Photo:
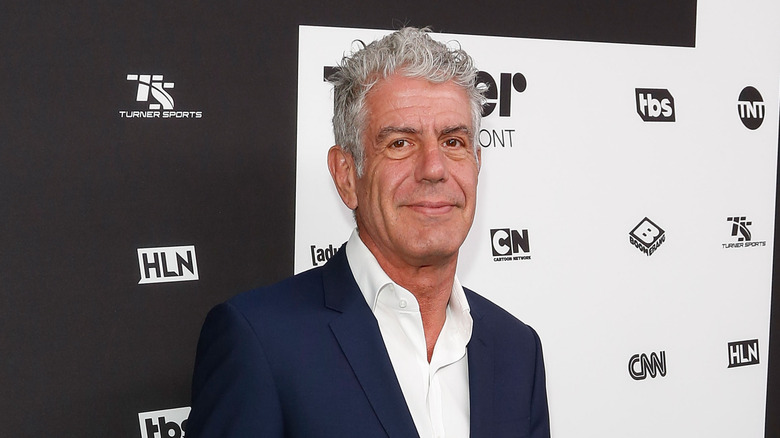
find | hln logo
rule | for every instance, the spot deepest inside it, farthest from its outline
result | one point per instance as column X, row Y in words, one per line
column 640, row 365
column 505, row 242
column 171, row 423
column 647, row 236
column 164, row 265
column 655, row 105
column 743, row 353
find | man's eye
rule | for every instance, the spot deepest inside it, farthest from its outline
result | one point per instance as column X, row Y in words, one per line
column 453, row 142
column 399, row 144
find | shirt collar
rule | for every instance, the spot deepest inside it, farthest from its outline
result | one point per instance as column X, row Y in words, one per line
column 371, row 279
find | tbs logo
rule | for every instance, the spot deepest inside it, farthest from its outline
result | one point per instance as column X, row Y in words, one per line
column 655, row 105
column 164, row 265
column 640, row 365
column 169, row 423
column 506, row 243
column 647, row 236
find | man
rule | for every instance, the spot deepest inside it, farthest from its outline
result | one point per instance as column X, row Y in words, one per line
column 382, row 340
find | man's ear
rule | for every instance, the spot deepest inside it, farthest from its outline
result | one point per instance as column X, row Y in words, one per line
column 479, row 159
column 342, row 169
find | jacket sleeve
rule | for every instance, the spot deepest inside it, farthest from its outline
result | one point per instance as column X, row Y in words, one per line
column 233, row 392
column 540, row 417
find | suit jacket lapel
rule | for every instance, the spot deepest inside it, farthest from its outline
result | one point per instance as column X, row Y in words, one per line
column 481, row 376
column 358, row 335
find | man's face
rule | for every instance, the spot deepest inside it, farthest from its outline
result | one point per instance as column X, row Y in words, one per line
column 417, row 194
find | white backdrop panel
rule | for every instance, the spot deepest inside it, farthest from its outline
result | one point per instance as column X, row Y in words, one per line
column 581, row 171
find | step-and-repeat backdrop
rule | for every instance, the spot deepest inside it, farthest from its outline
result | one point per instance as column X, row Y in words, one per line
column 626, row 211
column 157, row 158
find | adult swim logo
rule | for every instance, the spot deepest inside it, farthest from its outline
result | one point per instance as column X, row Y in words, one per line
column 740, row 230
column 509, row 245
column 743, row 353
column 642, row 365
column 322, row 255
column 165, row 265
column 170, row 423
column 152, row 89
column 655, row 105
column 751, row 108
column 647, row 236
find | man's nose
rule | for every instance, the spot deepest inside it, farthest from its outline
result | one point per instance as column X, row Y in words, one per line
column 432, row 163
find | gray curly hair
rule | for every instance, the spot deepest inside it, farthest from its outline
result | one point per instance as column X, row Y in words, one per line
column 410, row 52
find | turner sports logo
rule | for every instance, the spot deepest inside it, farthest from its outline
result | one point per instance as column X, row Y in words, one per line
column 647, row 236
column 509, row 245
column 751, row 108
column 655, row 105
column 171, row 423
column 152, row 89
column 165, row 265
column 497, row 94
column 740, row 230
column 642, row 365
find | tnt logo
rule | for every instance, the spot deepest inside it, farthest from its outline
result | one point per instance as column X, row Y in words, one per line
column 507, row 242
column 169, row 423
column 153, row 83
column 739, row 226
column 751, row 108
column 640, row 365
column 647, row 236
column 500, row 95
column 163, row 265
column 743, row 353
column 655, row 105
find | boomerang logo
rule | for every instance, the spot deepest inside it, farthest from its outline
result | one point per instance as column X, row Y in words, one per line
column 155, row 84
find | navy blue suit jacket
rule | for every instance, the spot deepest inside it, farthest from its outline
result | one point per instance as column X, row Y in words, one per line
column 305, row 358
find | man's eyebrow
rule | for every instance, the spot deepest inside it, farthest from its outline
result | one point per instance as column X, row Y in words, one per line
column 390, row 130
column 453, row 129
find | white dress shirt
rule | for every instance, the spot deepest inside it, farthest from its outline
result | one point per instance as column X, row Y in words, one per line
column 437, row 393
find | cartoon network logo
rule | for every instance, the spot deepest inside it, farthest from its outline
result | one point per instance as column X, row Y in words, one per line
column 642, row 365
column 165, row 265
column 508, row 244
column 153, row 89
column 170, row 423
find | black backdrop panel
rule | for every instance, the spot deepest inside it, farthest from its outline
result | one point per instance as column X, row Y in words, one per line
column 85, row 347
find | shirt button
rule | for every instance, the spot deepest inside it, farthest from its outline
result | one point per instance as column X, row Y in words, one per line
column 402, row 304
